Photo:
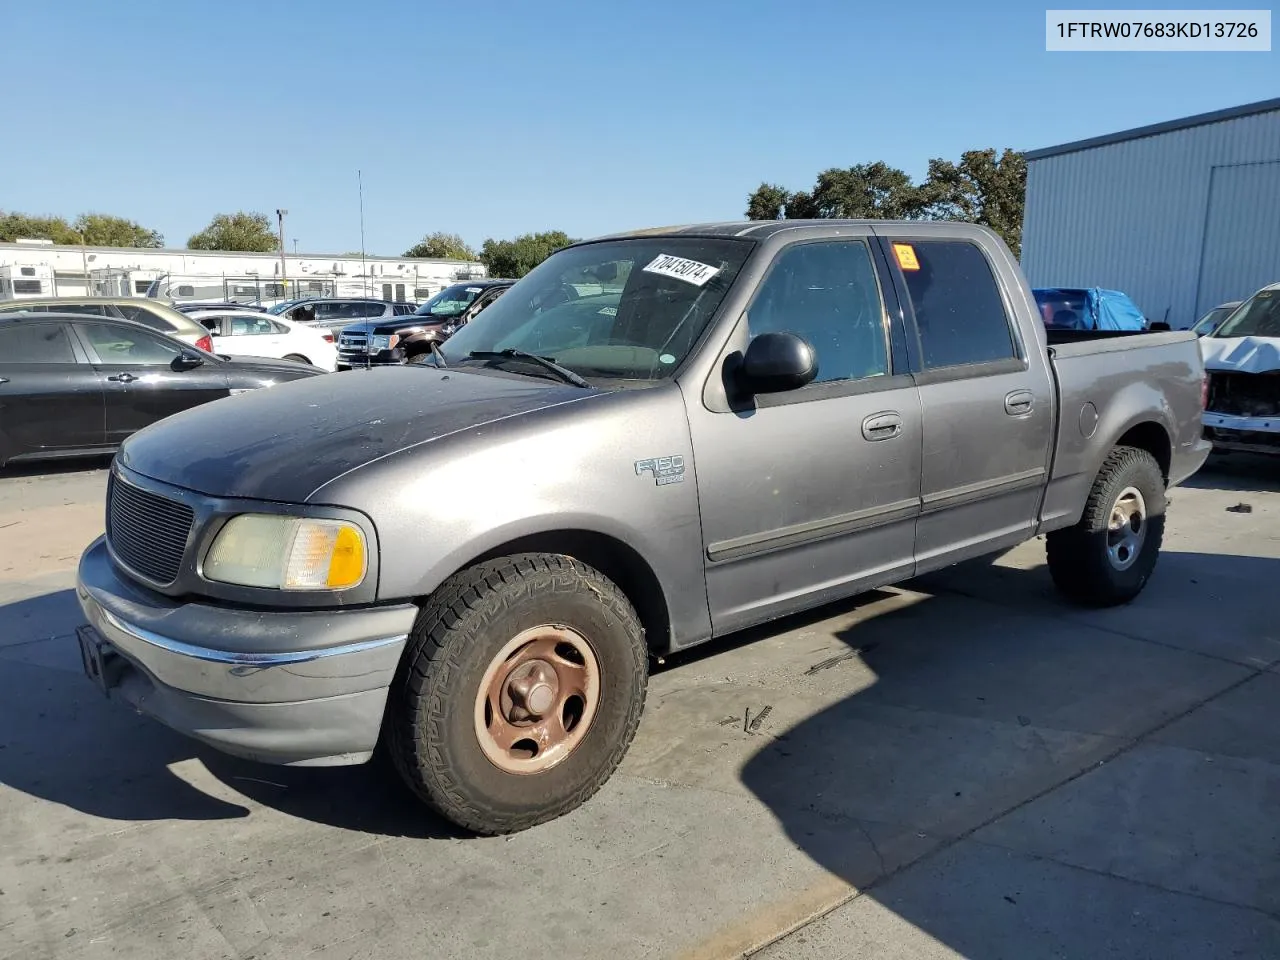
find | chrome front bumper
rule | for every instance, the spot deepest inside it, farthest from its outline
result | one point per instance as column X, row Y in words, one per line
column 294, row 687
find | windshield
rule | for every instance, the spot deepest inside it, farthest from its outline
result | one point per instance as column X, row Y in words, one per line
column 280, row 308
column 625, row 309
column 1259, row 316
column 450, row 302
column 1206, row 324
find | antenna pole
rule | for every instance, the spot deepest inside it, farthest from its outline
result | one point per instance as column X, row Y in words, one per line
column 363, row 266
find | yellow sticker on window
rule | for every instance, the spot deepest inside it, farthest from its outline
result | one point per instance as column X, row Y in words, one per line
column 906, row 256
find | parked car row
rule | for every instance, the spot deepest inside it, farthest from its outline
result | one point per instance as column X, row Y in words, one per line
column 77, row 384
column 392, row 340
column 149, row 313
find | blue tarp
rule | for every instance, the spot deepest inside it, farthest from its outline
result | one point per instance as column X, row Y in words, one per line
column 1074, row 308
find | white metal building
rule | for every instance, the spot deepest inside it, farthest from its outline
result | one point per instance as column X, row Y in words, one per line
column 211, row 275
column 1180, row 215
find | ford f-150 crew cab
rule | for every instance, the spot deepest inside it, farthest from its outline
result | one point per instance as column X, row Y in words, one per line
column 752, row 419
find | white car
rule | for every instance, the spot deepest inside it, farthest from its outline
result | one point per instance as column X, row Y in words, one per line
column 241, row 333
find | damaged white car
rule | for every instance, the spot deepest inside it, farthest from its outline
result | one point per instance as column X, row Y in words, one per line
column 1242, row 359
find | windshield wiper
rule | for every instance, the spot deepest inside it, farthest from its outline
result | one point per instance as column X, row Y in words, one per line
column 564, row 373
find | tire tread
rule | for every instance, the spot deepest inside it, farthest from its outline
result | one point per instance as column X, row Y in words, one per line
column 1077, row 570
column 435, row 646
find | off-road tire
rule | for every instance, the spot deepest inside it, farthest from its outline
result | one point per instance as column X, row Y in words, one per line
column 296, row 358
column 1078, row 560
column 430, row 726
column 424, row 357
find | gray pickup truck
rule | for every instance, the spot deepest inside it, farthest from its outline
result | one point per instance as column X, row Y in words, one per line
column 467, row 565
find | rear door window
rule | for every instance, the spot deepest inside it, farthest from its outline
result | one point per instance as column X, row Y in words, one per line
column 94, row 309
column 958, row 308
column 144, row 316
column 35, row 343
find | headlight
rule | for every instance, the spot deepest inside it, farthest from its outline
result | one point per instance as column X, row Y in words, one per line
column 287, row 553
column 380, row 342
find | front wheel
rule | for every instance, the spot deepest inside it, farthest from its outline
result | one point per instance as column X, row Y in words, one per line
column 519, row 694
column 1108, row 556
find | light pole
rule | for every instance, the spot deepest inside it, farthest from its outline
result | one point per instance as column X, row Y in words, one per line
column 283, row 275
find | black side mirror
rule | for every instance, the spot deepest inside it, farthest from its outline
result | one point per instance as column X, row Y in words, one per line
column 775, row 362
column 1159, row 326
column 186, row 361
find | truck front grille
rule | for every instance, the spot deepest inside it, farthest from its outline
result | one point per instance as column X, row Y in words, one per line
column 1244, row 394
column 353, row 342
column 146, row 531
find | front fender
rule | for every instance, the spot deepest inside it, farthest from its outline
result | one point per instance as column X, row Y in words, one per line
column 439, row 506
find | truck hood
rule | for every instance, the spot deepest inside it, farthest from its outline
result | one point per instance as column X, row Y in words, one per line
column 1241, row 354
column 285, row 442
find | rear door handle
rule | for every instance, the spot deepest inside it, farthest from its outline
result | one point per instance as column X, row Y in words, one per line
column 123, row 378
column 1019, row 402
column 882, row 426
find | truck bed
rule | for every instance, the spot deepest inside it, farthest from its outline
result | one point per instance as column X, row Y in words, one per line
column 1099, row 394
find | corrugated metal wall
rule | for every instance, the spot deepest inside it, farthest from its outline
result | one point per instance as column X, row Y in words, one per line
column 1135, row 216
column 1241, row 232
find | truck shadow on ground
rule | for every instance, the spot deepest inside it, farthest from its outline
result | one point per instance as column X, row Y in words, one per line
column 989, row 694
column 989, row 683
column 62, row 741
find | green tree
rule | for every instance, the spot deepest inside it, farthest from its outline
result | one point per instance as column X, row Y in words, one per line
column 873, row 191
column 240, row 232
column 767, row 203
column 982, row 188
column 20, row 226
column 515, row 258
column 103, row 230
column 441, row 246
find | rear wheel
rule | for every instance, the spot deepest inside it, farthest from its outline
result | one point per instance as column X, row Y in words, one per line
column 520, row 692
column 1108, row 556
column 296, row 357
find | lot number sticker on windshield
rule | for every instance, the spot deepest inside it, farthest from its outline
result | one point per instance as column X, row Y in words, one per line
column 690, row 271
column 906, row 255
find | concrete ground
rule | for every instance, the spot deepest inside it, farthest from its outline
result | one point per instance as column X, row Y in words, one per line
column 964, row 768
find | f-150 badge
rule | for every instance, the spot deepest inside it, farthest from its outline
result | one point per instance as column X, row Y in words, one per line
column 664, row 469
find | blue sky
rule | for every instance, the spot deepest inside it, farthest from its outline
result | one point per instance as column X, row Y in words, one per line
column 504, row 117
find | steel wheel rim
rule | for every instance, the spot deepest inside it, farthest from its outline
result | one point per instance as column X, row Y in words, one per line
column 1127, row 528
column 537, row 699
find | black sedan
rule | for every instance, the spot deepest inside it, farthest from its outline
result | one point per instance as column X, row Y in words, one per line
column 75, row 385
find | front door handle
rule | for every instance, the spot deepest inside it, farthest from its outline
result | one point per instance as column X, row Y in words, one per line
column 882, row 426
column 4, row 379
column 1019, row 402
column 123, row 378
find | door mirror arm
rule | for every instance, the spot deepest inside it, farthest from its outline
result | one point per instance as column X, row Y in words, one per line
column 186, row 361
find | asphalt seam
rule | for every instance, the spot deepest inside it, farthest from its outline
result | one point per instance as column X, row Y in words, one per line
column 1148, row 884
column 27, row 643
column 950, row 842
